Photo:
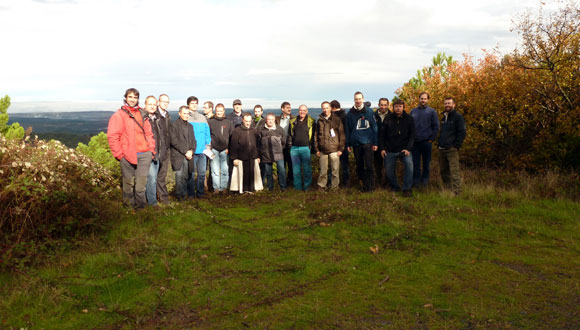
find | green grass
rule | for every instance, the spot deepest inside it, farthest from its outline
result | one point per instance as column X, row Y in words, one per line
column 487, row 259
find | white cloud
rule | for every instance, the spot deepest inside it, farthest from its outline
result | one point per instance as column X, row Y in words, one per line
column 259, row 49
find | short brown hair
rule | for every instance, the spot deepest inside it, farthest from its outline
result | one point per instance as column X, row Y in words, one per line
column 397, row 102
column 131, row 91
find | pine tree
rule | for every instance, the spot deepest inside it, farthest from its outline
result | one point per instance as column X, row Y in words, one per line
column 14, row 131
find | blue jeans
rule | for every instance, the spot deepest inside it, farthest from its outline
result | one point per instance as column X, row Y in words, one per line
column 219, row 170
column 301, row 163
column 151, row 187
column 421, row 150
column 195, row 185
column 181, row 176
column 268, row 178
column 391, row 166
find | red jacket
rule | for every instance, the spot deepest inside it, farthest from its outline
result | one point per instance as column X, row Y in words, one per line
column 122, row 132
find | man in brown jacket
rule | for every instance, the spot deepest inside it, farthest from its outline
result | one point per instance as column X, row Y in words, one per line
column 329, row 142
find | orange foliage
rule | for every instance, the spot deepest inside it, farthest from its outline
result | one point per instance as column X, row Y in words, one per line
column 522, row 110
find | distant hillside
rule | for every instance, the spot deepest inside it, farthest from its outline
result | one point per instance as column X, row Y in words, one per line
column 73, row 127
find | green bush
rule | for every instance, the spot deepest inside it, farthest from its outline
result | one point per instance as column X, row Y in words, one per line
column 99, row 151
column 49, row 194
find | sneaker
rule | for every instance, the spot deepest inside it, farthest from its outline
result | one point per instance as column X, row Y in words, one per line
column 407, row 193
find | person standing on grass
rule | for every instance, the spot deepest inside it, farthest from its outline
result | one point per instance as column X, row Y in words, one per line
column 221, row 130
column 362, row 138
column 300, row 140
column 154, row 120
column 208, row 113
column 426, row 129
column 329, row 142
column 244, row 154
column 344, row 165
column 271, row 142
column 132, row 143
column 453, row 133
column 164, row 148
column 380, row 115
column 183, row 146
column 196, row 182
column 284, row 121
column 396, row 141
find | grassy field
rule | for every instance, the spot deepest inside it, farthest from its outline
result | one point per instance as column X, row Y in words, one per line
column 486, row 259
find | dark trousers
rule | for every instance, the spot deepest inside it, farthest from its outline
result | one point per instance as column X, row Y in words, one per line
column 181, row 177
column 288, row 163
column 379, row 163
column 162, row 193
column 364, row 165
column 248, row 181
column 344, row 168
column 421, row 151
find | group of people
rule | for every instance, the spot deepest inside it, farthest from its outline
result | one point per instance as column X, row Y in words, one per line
column 242, row 149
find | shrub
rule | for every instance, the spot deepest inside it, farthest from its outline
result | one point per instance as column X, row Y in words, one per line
column 49, row 194
column 98, row 150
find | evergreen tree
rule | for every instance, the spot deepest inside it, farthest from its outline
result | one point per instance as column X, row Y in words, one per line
column 99, row 151
column 14, row 131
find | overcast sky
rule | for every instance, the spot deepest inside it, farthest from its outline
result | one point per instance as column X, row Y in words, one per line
column 83, row 54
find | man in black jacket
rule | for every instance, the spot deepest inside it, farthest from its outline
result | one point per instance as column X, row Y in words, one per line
column 244, row 151
column 397, row 137
column 450, row 140
column 164, row 148
column 284, row 121
column 380, row 116
column 182, row 147
column 221, row 130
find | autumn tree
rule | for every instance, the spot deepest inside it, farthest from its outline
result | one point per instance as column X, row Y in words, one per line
column 521, row 109
column 550, row 53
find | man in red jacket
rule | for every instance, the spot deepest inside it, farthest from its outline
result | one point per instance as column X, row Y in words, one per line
column 132, row 143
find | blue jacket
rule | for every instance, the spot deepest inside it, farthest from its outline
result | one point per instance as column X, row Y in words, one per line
column 201, row 131
column 361, row 128
column 426, row 123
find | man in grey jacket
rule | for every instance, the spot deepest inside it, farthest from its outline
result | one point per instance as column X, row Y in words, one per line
column 271, row 143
